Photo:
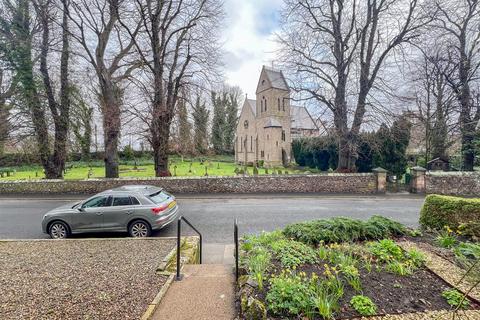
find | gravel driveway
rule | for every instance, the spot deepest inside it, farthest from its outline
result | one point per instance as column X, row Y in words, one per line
column 80, row 279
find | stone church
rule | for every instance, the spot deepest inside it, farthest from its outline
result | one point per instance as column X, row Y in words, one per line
column 268, row 124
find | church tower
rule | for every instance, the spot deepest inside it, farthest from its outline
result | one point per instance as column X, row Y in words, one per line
column 273, row 117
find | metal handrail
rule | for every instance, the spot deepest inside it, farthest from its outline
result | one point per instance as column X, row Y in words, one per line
column 179, row 232
column 235, row 239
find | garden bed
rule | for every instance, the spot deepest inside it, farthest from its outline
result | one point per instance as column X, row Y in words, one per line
column 342, row 269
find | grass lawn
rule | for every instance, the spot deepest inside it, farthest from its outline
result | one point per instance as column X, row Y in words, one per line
column 214, row 166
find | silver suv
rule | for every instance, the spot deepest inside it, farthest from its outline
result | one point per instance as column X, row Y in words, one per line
column 134, row 209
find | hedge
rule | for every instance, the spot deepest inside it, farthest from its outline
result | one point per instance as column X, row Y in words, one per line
column 462, row 214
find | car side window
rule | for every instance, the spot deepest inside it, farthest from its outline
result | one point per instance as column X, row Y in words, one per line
column 121, row 201
column 96, row 202
column 134, row 201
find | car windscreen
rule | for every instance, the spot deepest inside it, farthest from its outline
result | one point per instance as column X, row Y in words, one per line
column 160, row 196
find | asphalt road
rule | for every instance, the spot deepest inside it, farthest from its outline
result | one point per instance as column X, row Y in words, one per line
column 213, row 215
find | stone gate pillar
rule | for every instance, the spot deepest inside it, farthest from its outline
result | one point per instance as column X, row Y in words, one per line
column 381, row 181
column 418, row 182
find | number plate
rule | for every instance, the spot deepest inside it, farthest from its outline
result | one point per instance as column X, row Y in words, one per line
column 172, row 204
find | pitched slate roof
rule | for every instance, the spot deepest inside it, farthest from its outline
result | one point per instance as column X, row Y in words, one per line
column 253, row 106
column 272, row 123
column 301, row 119
column 276, row 78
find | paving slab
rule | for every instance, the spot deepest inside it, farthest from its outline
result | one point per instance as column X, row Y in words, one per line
column 205, row 292
column 218, row 253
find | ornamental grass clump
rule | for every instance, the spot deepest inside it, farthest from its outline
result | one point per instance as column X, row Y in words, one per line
column 352, row 276
column 258, row 262
column 325, row 295
column 446, row 238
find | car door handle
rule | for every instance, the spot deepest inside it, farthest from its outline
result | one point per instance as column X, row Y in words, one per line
column 98, row 213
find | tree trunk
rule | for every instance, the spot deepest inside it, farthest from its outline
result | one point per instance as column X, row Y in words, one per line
column 111, row 100
column 111, row 134
column 62, row 120
column 347, row 152
column 160, row 136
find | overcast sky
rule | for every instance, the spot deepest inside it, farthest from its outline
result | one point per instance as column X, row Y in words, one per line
column 249, row 32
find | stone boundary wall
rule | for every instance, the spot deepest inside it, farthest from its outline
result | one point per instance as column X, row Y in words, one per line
column 355, row 183
column 453, row 183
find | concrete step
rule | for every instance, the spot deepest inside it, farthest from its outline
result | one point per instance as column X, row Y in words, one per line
column 206, row 291
column 218, row 253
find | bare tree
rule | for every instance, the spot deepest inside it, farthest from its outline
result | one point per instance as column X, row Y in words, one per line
column 109, row 50
column 59, row 106
column 17, row 46
column 435, row 103
column 179, row 43
column 337, row 49
column 459, row 22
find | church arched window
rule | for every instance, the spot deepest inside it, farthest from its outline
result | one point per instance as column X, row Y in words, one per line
column 283, row 105
column 278, row 100
column 265, row 103
column 261, row 105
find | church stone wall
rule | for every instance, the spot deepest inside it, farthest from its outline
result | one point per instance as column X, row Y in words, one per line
column 243, row 133
column 353, row 183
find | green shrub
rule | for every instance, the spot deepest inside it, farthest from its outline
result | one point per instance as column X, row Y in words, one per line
column 446, row 238
column 386, row 250
column 378, row 227
column 397, row 261
column 458, row 213
column 265, row 239
column 289, row 294
column 363, row 305
column 455, row 298
column 341, row 229
column 293, row 253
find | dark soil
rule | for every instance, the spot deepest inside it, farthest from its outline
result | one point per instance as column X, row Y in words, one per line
column 393, row 294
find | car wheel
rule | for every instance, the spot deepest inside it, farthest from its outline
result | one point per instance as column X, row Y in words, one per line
column 139, row 229
column 58, row 230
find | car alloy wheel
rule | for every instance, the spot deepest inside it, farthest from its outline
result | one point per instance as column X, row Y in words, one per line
column 58, row 231
column 139, row 230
